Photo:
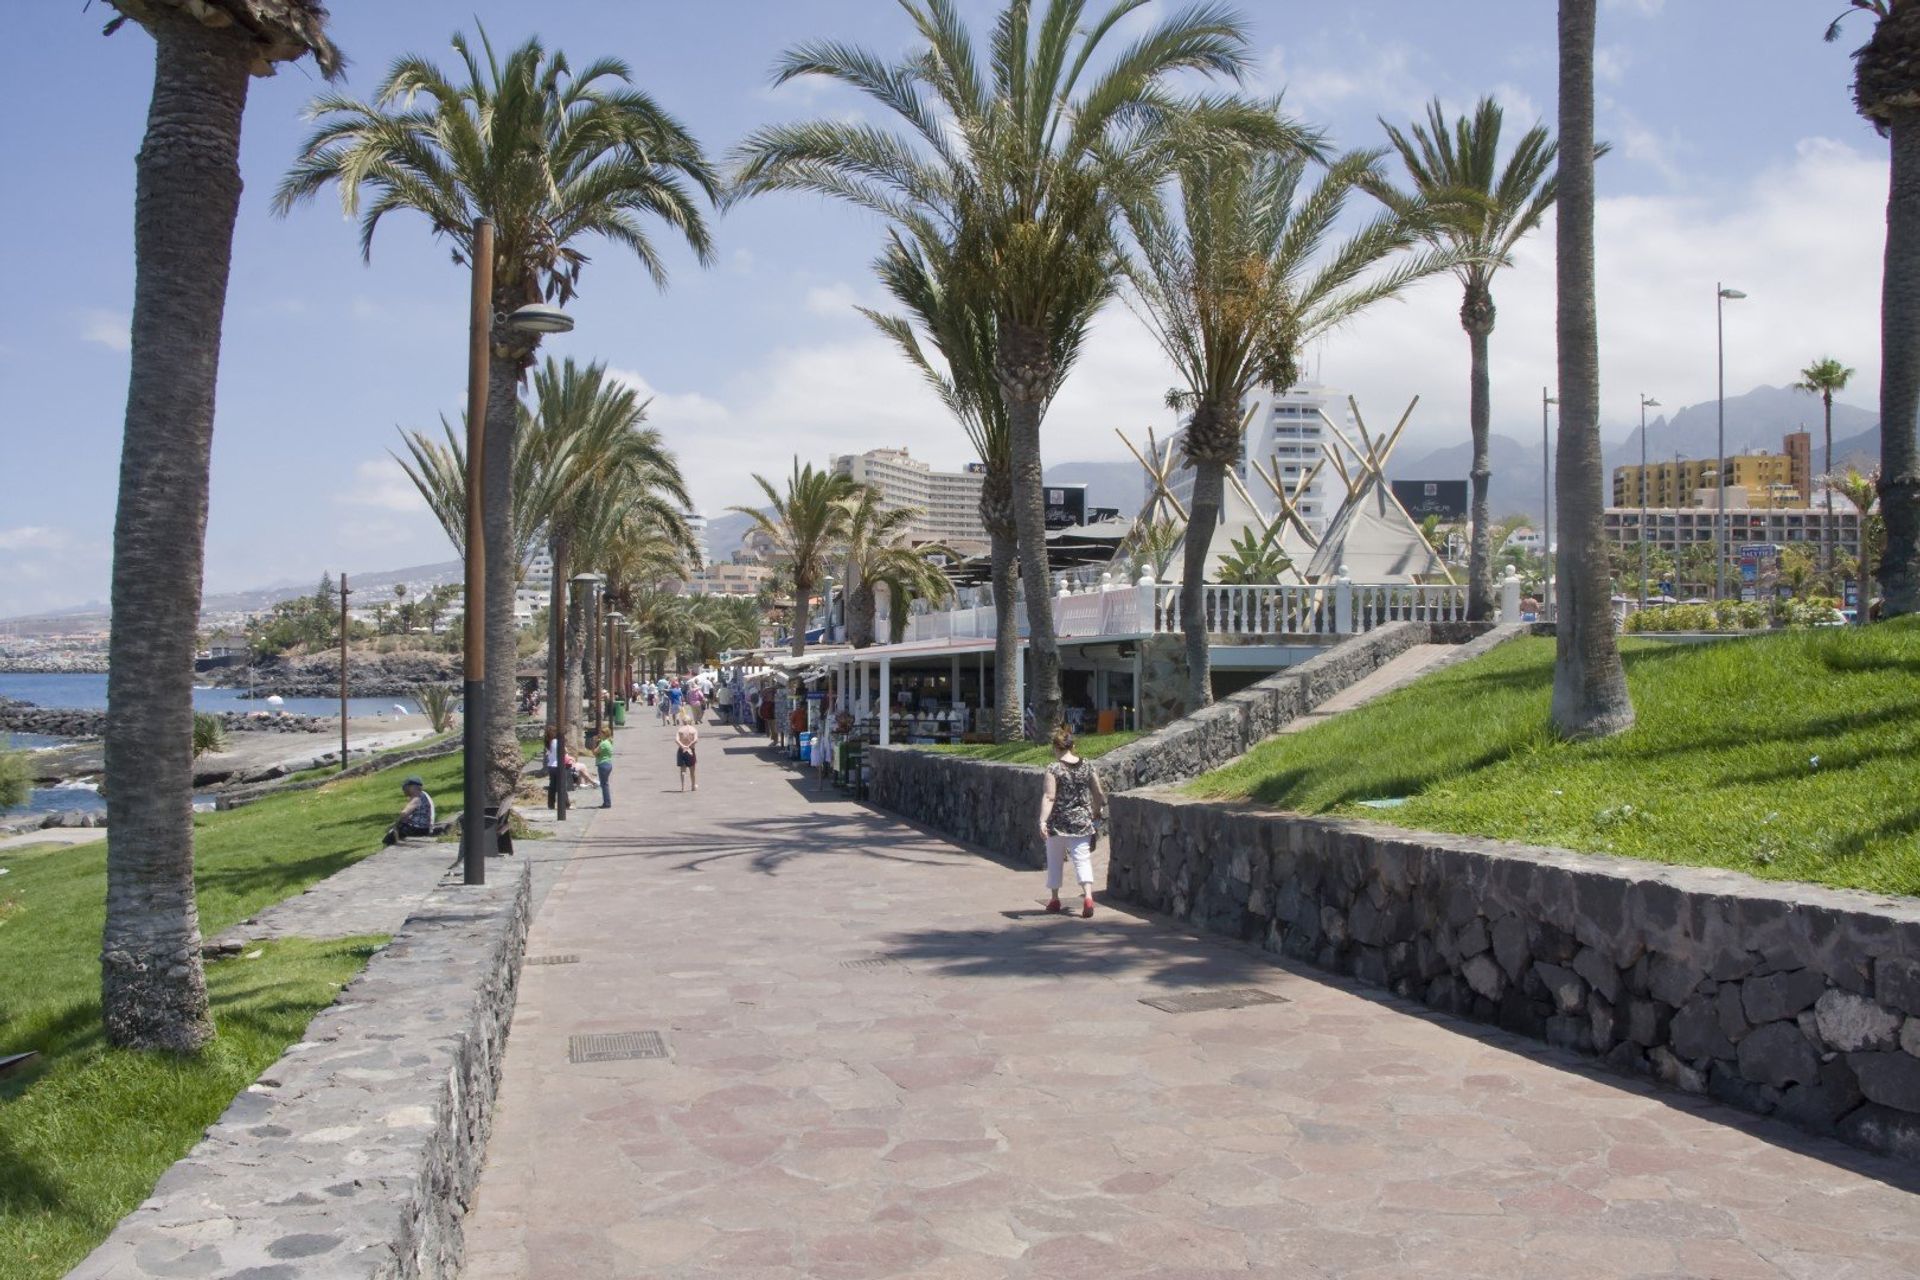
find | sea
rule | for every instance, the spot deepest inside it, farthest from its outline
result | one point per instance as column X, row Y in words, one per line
column 88, row 692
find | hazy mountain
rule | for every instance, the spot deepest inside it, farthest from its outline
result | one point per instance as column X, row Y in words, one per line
column 723, row 535
column 1111, row 483
column 1514, row 487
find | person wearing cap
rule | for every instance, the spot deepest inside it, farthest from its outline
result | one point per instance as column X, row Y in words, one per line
column 416, row 818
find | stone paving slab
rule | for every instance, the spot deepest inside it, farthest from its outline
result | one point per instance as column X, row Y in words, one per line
column 373, row 896
column 886, row 1060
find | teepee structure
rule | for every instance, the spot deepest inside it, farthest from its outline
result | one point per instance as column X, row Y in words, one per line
column 1158, row 463
column 1372, row 537
column 1296, row 537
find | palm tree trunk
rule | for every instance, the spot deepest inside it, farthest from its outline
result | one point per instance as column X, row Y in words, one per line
column 153, row 992
column 801, row 615
column 1826, row 533
column 560, row 551
column 1476, row 316
column 1590, row 697
column 576, row 656
column 1026, row 374
column 1203, row 519
column 1900, row 373
column 996, row 513
column 503, row 573
column 862, row 609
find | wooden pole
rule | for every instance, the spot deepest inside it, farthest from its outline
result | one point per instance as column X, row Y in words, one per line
column 474, row 736
column 343, row 671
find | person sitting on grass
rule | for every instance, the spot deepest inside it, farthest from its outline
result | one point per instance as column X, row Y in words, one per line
column 416, row 817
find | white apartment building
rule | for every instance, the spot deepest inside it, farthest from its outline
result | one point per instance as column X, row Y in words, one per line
column 1286, row 433
column 697, row 526
column 948, row 501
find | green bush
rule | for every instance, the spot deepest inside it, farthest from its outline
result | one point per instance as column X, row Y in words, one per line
column 16, row 781
column 209, row 734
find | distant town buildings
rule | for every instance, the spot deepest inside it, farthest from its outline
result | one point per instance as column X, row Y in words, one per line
column 697, row 526
column 948, row 502
column 729, row 579
column 1673, row 528
column 1763, row 480
column 1286, row 434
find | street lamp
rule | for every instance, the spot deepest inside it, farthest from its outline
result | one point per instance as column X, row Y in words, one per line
column 1646, row 402
column 558, row 703
column 604, row 703
column 1546, row 507
column 1721, row 296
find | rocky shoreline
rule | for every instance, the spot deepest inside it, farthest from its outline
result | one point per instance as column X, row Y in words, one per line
column 57, row 665
column 65, row 722
column 382, row 675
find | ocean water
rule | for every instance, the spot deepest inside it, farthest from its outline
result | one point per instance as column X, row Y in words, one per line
column 89, row 693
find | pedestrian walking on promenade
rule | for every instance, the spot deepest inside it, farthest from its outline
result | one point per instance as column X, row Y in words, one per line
column 1070, row 808
column 603, row 756
column 686, row 740
column 697, row 699
column 552, row 762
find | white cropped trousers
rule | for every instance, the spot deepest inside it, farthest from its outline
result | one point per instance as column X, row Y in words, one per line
column 1059, row 849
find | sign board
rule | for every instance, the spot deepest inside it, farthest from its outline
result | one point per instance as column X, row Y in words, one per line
column 1066, row 505
column 1422, row 498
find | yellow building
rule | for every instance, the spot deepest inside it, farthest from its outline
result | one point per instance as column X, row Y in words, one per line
column 1767, row 480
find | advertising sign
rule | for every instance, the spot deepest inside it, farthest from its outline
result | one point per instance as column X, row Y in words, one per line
column 1422, row 498
column 1066, row 505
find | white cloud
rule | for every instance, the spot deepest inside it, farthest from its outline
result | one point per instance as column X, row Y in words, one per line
column 669, row 411
column 32, row 537
column 1610, row 62
column 835, row 301
column 382, row 484
column 1645, row 8
column 48, row 568
column 109, row 328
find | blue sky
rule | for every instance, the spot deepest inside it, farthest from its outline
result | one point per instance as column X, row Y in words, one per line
column 1737, row 157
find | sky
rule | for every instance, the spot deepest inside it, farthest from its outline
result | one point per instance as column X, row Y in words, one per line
column 1737, row 158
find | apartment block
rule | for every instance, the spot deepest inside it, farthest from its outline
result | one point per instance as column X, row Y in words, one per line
column 948, row 502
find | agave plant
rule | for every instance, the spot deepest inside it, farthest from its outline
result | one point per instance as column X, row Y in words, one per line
column 436, row 703
column 1254, row 561
column 209, row 734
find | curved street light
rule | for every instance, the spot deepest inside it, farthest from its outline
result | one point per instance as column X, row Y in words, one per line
column 1722, row 296
column 1646, row 402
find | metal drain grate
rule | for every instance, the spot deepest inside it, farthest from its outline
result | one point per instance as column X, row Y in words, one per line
column 876, row 962
column 553, row 960
column 1219, row 998
column 616, row 1046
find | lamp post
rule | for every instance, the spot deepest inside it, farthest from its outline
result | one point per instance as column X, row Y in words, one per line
column 1546, row 506
column 344, row 593
column 1646, row 402
column 605, row 704
column 1721, row 295
column 563, row 794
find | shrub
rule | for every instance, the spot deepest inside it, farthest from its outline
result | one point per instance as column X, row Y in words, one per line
column 436, row 703
column 209, row 734
column 16, row 781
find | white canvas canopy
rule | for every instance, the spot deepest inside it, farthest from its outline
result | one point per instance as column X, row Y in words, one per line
column 1372, row 537
column 1240, row 516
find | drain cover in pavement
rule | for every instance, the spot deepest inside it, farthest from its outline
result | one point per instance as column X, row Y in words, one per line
column 1219, row 998
column 616, row 1046
column 876, row 962
column 553, row 959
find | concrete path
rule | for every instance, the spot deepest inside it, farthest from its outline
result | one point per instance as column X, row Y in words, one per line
column 53, row 835
column 884, row 1060
column 1397, row 672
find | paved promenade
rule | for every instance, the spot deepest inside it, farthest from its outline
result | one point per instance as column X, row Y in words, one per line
column 884, row 1060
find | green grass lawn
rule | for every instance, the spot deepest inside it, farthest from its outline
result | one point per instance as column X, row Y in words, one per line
column 1090, row 747
column 1790, row 756
column 322, row 770
column 85, row 1133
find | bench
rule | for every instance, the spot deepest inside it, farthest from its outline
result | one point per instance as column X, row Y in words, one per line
column 11, row 1062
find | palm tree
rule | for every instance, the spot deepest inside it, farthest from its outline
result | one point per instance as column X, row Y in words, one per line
column 1022, row 171
column 553, row 159
column 805, row 523
column 1487, row 209
column 1826, row 378
column 438, row 469
column 1864, row 492
column 1590, row 698
column 1886, row 90
column 966, row 334
column 873, row 541
column 1235, row 288
column 153, row 992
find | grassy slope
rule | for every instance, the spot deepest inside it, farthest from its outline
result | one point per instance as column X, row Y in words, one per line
column 1790, row 756
column 1090, row 747
column 83, row 1137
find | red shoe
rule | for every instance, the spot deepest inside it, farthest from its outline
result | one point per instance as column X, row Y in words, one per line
column 1054, row 906
column 1086, row 909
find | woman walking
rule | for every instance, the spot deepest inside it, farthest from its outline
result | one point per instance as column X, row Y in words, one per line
column 603, row 756
column 685, row 741
column 552, row 761
column 1072, row 804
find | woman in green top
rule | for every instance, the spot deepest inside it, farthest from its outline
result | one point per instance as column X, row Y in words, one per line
column 604, row 755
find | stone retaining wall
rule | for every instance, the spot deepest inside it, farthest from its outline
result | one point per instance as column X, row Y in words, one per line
column 1782, row 999
column 995, row 805
column 356, row 1153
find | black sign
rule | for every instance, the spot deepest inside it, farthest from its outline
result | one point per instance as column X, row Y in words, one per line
column 1066, row 505
column 1422, row 498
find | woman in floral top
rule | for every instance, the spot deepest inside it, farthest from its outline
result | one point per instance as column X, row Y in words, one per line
column 1073, row 801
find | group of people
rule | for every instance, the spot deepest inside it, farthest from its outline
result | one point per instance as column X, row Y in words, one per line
column 564, row 769
column 697, row 694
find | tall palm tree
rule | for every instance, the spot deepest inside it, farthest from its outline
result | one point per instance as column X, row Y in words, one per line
column 1590, row 698
column 1826, row 378
column 805, row 523
column 1886, row 90
column 153, row 993
column 1234, row 288
column 1022, row 169
column 876, row 553
column 553, row 159
column 603, row 467
column 1486, row 209
column 965, row 332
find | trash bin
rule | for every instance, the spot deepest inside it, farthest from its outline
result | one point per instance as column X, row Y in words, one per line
column 620, row 713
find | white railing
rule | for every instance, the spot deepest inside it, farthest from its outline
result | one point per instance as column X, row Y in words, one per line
column 1340, row 607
